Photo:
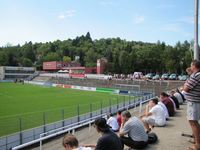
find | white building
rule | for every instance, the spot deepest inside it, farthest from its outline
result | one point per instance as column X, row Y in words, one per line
column 9, row 72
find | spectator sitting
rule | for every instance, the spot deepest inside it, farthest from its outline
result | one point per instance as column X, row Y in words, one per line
column 109, row 140
column 133, row 127
column 174, row 98
column 154, row 115
column 112, row 122
column 172, row 102
column 182, row 99
column 168, row 103
column 71, row 143
column 183, row 93
column 119, row 118
column 165, row 109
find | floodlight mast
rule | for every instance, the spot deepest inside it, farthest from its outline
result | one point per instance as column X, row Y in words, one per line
column 196, row 47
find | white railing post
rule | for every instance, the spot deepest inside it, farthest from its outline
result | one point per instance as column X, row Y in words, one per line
column 90, row 126
column 134, row 105
column 40, row 141
column 140, row 108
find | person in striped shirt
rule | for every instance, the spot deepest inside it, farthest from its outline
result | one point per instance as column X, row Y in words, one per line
column 134, row 128
column 192, row 93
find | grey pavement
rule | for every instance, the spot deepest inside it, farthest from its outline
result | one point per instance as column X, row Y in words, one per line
column 169, row 137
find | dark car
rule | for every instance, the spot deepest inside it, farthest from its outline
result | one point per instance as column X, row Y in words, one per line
column 149, row 75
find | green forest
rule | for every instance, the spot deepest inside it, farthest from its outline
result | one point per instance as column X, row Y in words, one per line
column 123, row 56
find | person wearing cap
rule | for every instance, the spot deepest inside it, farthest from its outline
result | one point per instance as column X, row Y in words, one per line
column 109, row 140
column 134, row 128
column 70, row 142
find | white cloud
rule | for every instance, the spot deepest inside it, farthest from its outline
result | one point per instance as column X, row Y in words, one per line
column 61, row 16
column 138, row 19
column 68, row 13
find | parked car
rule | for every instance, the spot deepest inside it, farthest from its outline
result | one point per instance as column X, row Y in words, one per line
column 165, row 76
column 137, row 75
column 183, row 77
column 149, row 75
column 173, row 76
column 156, row 77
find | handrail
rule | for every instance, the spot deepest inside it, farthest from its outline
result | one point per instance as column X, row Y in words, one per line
column 79, row 124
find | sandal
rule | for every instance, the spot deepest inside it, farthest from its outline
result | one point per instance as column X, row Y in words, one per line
column 191, row 141
column 148, row 131
column 194, row 147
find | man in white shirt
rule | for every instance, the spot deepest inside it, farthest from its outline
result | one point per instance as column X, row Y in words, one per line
column 154, row 115
column 112, row 122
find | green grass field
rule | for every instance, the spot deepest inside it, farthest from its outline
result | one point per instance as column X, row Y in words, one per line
column 31, row 104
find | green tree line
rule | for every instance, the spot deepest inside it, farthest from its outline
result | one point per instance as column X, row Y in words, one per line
column 123, row 56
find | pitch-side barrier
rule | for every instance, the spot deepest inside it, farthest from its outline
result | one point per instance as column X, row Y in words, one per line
column 56, row 132
column 72, row 127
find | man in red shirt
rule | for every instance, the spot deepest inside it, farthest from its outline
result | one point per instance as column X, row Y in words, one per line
column 168, row 103
column 119, row 118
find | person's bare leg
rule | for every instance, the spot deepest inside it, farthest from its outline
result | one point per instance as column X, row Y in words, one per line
column 196, row 132
column 146, row 125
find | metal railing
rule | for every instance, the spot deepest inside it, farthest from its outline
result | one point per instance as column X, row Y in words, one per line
column 89, row 121
column 56, row 132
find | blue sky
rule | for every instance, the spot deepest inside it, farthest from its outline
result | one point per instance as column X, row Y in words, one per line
column 134, row 20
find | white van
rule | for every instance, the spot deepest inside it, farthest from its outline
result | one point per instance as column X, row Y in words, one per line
column 137, row 75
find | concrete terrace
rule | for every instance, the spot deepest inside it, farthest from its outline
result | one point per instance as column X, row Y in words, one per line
column 169, row 137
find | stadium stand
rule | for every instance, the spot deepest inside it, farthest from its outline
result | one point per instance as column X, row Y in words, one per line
column 144, row 85
column 12, row 73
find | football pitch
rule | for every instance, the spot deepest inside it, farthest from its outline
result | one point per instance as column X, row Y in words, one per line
column 24, row 106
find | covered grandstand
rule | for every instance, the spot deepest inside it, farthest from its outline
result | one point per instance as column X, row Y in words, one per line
column 11, row 72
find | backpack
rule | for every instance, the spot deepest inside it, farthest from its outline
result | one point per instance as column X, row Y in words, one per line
column 152, row 138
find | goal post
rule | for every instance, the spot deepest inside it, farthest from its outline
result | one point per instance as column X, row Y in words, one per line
column 128, row 87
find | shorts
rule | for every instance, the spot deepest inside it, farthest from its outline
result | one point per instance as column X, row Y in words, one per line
column 149, row 121
column 193, row 111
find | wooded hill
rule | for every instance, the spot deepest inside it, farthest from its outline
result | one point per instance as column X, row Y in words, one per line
column 123, row 56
